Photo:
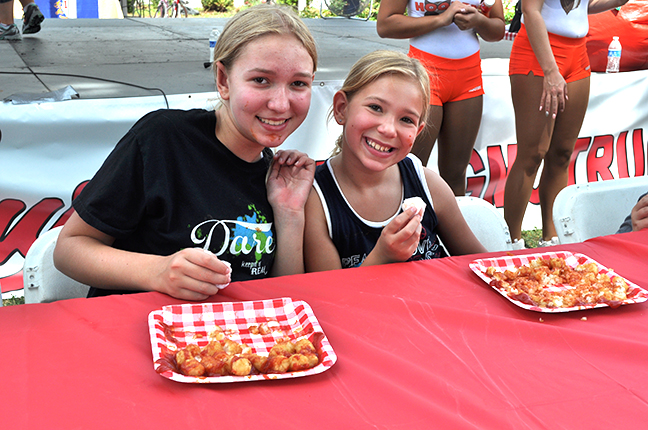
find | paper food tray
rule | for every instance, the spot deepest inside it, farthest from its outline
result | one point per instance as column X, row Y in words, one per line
column 636, row 294
column 175, row 326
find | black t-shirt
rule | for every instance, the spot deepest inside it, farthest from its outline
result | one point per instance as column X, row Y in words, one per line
column 170, row 184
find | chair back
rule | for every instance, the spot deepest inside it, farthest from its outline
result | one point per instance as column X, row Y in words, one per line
column 584, row 211
column 42, row 282
column 486, row 222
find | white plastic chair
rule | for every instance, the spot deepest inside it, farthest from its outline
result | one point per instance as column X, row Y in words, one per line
column 584, row 211
column 42, row 282
column 486, row 222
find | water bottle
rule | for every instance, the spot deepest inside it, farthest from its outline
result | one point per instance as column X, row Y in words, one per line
column 614, row 56
column 485, row 6
column 213, row 38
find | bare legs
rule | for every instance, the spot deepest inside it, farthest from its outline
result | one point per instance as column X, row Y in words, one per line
column 541, row 138
column 7, row 13
column 455, row 125
column 427, row 138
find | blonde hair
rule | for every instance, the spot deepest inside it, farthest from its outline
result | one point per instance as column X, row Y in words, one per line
column 377, row 64
column 258, row 21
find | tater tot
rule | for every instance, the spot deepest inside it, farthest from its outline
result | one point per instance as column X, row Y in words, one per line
column 305, row 346
column 239, row 366
column 283, row 348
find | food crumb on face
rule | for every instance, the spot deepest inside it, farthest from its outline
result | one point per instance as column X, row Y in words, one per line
column 584, row 319
column 541, row 320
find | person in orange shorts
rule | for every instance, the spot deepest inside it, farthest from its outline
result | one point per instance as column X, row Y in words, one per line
column 443, row 36
column 550, row 81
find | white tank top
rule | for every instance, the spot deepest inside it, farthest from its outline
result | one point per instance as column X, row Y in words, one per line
column 574, row 24
column 446, row 42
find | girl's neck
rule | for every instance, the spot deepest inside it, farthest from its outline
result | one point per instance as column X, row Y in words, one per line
column 363, row 188
column 229, row 136
column 354, row 174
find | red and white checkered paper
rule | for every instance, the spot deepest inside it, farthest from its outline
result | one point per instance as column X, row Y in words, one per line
column 512, row 262
column 192, row 323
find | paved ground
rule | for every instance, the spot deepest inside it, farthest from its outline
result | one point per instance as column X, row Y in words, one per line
column 168, row 54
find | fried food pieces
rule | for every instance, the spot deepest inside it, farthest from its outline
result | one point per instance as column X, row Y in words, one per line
column 551, row 283
column 222, row 357
column 287, row 357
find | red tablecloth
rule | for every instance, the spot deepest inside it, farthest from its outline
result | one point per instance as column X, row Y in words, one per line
column 420, row 345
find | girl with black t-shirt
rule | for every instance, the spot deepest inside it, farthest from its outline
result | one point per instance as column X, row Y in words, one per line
column 191, row 200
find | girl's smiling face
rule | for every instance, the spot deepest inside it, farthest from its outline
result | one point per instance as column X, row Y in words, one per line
column 266, row 94
column 381, row 120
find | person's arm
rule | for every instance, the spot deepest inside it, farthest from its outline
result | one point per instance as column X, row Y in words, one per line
column 639, row 214
column 319, row 251
column 554, row 91
column 454, row 231
column 598, row 6
column 86, row 254
column 491, row 28
column 394, row 24
column 289, row 181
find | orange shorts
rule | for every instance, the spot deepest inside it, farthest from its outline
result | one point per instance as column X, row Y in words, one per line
column 451, row 80
column 570, row 54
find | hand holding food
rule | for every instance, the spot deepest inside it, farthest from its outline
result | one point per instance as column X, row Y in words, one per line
column 192, row 274
column 398, row 240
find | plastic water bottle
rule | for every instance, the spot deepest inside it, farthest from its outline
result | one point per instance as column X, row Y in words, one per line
column 614, row 56
column 213, row 38
column 485, row 6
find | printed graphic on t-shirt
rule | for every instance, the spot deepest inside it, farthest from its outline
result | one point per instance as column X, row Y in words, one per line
column 353, row 261
column 427, row 249
column 432, row 7
column 246, row 239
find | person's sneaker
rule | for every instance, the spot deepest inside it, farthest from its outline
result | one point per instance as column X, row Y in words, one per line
column 32, row 19
column 518, row 244
column 554, row 241
column 10, row 33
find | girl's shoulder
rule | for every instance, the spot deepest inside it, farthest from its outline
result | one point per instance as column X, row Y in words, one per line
column 163, row 122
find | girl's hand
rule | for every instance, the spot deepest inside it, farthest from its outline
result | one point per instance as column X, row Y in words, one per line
column 192, row 274
column 467, row 17
column 289, row 180
column 455, row 8
column 399, row 239
column 554, row 94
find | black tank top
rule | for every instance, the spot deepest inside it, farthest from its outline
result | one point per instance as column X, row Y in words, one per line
column 355, row 237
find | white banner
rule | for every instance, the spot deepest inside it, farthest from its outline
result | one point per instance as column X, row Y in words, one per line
column 611, row 142
column 48, row 150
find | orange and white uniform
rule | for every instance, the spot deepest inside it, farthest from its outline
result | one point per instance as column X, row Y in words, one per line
column 451, row 55
column 566, row 31
column 573, row 23
column 446, row 42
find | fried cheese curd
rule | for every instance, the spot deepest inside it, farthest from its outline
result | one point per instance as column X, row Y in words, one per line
column 225, row 357
column 551, row 283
